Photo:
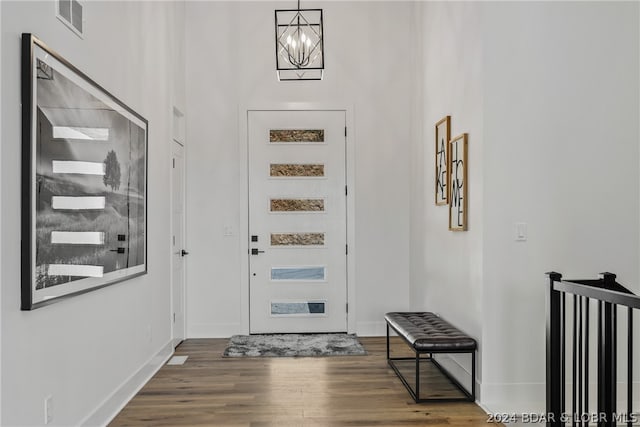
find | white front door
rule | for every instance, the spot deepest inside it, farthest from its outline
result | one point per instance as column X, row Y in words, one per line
column 297, row 221
column 177, row 242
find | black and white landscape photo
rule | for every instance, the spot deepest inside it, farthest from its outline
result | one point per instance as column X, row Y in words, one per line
column 89, row 186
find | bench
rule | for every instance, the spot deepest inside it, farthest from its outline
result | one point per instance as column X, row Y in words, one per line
column 426, row 333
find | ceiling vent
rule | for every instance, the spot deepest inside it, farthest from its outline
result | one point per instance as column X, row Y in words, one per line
column 70, row 13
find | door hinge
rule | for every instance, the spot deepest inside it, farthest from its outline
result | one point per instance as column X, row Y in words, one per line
column 174, row 318
column 346, row 249
column 347, row 307
column 346, row 192
column 174, row 162
column 345, row 131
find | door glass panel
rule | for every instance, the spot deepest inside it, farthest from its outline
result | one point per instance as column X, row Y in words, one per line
column 297, row 205
column 297, row 239
column 297, row 308
column 298, row 273
column 294, row 170
column 296, row 135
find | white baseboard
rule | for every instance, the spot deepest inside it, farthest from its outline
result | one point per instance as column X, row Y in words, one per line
column 113, row 404
column 513, row 397
column 526, row 398
column 513, row 402
column 371, row 329
column 214, row 330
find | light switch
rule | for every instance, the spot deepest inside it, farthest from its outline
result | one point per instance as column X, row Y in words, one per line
column 521, row 231
column 228, row 230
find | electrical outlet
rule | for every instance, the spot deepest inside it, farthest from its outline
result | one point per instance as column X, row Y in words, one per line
column 48, row 409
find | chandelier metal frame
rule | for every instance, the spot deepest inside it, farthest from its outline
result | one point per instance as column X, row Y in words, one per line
column 299, row 44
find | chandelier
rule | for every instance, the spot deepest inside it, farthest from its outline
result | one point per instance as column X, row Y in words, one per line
column 299, row 44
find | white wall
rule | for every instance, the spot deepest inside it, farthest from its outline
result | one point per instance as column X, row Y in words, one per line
column 83, row 349
column 561, row 132
column 552, row 115
column 231, row 62
column 446, row 267
column 549, row 93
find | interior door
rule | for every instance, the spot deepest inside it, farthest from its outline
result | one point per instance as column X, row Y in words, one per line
column 178, row 242
column 297, row 221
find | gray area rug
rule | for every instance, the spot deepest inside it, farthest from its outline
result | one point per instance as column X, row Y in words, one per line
column 294, row 345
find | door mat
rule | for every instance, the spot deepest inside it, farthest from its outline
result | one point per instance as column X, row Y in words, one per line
column 294, row 345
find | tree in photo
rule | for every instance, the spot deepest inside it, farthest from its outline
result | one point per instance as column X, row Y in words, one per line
column 111, row 171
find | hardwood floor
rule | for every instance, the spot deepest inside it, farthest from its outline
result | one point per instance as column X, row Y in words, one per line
column 209, row 390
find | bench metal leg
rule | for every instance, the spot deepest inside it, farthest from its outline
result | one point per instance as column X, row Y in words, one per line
column 417, row 376
column 473, row 376
column 387, row 341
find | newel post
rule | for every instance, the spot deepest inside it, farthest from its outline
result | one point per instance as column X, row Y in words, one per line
column 555, row 352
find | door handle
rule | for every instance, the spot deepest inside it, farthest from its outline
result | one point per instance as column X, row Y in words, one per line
column 255, row 251
column 183, row 252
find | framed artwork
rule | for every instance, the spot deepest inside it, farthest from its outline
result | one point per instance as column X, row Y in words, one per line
column 84, row 182
column 443, row 135
column 458, row 183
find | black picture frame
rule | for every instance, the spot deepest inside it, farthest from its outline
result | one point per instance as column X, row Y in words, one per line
column 84, row 182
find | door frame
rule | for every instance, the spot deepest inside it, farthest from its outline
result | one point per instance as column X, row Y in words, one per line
column 243, row 145
column 178, row 137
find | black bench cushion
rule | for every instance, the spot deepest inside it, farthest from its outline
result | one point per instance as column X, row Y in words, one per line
column 428, row 332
